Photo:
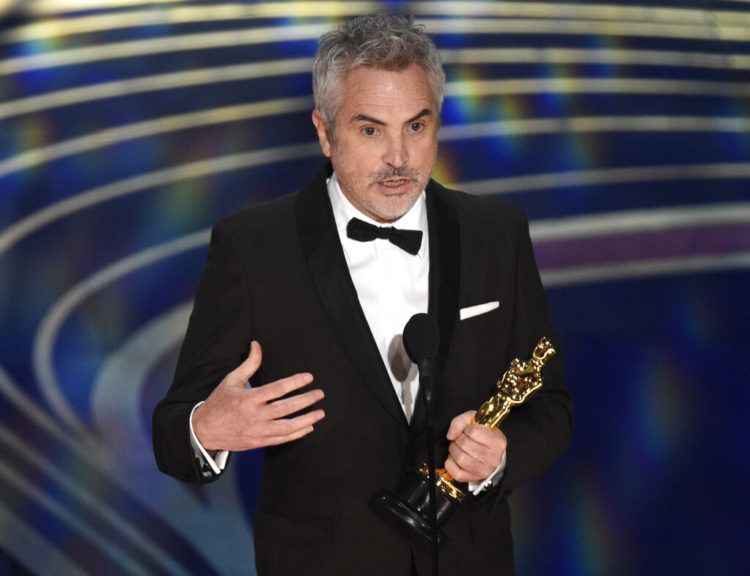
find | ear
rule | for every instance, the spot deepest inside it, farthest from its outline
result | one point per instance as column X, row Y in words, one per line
column 322, row 129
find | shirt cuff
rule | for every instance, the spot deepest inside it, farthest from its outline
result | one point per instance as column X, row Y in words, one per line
column 209, row 466
column 493, row 479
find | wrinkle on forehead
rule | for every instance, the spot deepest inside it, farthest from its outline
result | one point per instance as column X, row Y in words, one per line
column 381, row 95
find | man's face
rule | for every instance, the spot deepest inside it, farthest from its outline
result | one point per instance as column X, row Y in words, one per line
column 385, row 141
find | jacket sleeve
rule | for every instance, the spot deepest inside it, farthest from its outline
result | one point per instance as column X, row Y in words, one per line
column 539, row 430
column 217, row 340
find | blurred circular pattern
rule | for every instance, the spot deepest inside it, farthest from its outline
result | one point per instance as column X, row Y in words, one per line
column 127, row 128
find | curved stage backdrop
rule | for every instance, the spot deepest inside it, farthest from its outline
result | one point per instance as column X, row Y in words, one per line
column 127, row 128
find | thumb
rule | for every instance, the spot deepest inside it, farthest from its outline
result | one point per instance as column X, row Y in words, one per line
column 249, row 366
column 459, row 423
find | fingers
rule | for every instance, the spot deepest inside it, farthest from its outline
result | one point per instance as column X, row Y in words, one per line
column 476, row 453
column 273, row 410
column 468, row 470
column 274, row 390
column 469, row 454
column 286, row 406
column 478, row 434
column 281, row 431
column 268, row 392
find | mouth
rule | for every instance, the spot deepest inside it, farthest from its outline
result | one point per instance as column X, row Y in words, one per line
column 394, row 184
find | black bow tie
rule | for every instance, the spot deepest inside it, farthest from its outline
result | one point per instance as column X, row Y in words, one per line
column 408, row 240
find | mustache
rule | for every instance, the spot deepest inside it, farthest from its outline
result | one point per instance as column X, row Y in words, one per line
column 390, row 172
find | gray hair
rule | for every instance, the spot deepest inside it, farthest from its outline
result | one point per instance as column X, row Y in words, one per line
column 385, row 41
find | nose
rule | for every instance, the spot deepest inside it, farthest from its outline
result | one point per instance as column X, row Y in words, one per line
column 396, row 153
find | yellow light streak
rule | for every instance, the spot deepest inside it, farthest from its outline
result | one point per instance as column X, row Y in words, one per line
column 552, row 180
column 735, row 23
column 246, row 37
column 173, row 80
column 57, row 28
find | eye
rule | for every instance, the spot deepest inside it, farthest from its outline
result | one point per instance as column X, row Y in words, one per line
column 416, row 126
column 369, row 131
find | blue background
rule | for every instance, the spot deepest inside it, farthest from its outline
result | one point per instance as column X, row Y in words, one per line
column 127, row 128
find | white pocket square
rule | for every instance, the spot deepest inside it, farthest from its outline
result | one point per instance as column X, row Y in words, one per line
column 471, row 311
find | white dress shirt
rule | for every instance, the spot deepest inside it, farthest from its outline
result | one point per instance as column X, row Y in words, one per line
column 392, row 285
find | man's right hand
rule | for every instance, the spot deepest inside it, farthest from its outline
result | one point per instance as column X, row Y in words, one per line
column 235, row 417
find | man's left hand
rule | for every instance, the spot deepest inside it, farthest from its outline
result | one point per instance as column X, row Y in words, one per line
column 475, row 451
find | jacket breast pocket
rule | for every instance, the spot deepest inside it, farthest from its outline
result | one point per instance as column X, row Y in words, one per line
column 478, row 309
column 483, row 319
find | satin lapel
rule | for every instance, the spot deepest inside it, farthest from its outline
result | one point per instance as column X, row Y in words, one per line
column 330, row 274
column 445, row 271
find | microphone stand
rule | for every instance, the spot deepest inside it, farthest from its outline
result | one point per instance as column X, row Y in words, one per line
column 424, row 379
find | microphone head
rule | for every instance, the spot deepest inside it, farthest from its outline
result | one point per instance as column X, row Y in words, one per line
column 421, row 337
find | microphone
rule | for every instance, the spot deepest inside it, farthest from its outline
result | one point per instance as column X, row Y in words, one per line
column 421, row 338
column 421, row 342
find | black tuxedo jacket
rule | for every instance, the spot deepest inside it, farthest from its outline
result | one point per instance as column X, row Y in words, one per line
column 276, row 273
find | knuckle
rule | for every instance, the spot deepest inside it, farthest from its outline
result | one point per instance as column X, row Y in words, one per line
column 283, row 428
column 276, row 409
column 460, row 459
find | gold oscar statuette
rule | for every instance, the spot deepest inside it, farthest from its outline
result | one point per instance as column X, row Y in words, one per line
column 411, row 502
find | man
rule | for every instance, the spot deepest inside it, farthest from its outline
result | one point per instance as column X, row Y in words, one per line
column 332, row 397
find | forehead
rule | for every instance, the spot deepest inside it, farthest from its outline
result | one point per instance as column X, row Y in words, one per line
column 392, row 93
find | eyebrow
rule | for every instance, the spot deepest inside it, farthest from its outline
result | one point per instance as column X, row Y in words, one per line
column 365, row 118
